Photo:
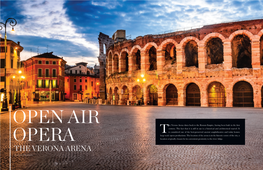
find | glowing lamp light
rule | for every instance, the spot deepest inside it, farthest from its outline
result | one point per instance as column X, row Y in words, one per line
column 19, row 71
column 138, row 80
column 143, row 80
column 14, row 77
column 23, row 77
column 98, row 83
column 142, row 75
column 13, row 29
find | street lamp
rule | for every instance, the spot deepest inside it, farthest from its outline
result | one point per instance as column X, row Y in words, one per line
column 12, row 23
column 20, row 77
column 141, row 81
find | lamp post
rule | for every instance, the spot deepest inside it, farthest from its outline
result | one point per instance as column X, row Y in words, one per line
column 12, row 23
column 141, row 81
column 20, row 78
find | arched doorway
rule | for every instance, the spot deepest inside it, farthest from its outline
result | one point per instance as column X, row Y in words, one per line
column 152, row 95
column 152, row 59
column 116, row 96
column 243, row 95
column 192, row 95
column 171, row 95
column 216, row 95
column 125, row 95
column 136, row 94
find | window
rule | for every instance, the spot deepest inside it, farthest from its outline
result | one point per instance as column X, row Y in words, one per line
column 80, row 80
column 70, row 71
column 86, row 87
column 2, row 63
column 12, row 63
column 54, row 73
column 54, row 62
column 75, row 87
column 75, row 96
column 47, row 83
column 80, row 87
column 88, row 73
column 47, row 62
column 86, row 80
column 39, row 74
column 2, row 49
column 39, row 83
column 39, row 62
column 47, row 72
column 91, row 83
column 54, row 83
column 12, row 50
column 2, row 78
column 79, row 71
column 76, row 71
column 75, row 80
column 79, row 66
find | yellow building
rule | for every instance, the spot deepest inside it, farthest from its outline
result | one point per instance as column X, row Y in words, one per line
column 12, row 67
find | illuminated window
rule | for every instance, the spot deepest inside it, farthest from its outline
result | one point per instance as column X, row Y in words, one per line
column 39, row 83
column 54, row 83
column 47, row 84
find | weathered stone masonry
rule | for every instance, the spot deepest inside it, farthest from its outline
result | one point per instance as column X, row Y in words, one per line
column 216, row 65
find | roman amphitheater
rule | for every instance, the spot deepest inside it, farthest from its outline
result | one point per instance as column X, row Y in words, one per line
column 217, row 65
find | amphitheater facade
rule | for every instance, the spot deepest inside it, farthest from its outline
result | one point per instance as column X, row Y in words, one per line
column 217, row 65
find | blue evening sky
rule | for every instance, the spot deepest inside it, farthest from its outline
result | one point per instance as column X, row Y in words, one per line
column 70, row 28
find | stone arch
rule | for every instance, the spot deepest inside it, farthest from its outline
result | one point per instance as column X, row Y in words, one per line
column 115, row 61
column 187, row 39
column 241, row 51
column 216, row 94
column 149, row 45
column 116, row 96
column 136, row 93
column 109, row 60
column 243, row 94
column 169, row 48
column 193, row 95
column 241, row 32
column 152, row 95
column 124, row 60
column 125, row 95
column 208, row 37
column 214, row 50
column 170, row 94
column 135, row 60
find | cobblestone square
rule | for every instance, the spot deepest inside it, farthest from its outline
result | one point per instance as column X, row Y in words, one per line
column 124, row 138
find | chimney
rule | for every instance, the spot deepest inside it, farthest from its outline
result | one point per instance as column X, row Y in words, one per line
column 18, row 42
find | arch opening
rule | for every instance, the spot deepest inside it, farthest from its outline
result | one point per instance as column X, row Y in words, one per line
column 170, row 53
column 125, row 95
column 152, row 58
column 152, row 95
column 214, row 51
column 191, row 54
column 241, row 52
column 193, row 95
column 125, row 62
column 110, row 64
column 136, row 94
column 243, row 95
column 171, row 95
column 216, row 95
column 115, row 64
column 116, row 96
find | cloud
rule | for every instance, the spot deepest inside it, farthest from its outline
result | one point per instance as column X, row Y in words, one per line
column 49, row 21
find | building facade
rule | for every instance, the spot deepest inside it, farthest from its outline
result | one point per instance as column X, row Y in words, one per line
column 81, row 86
column 217, row 65
column 13, row 65
column 45, row 75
